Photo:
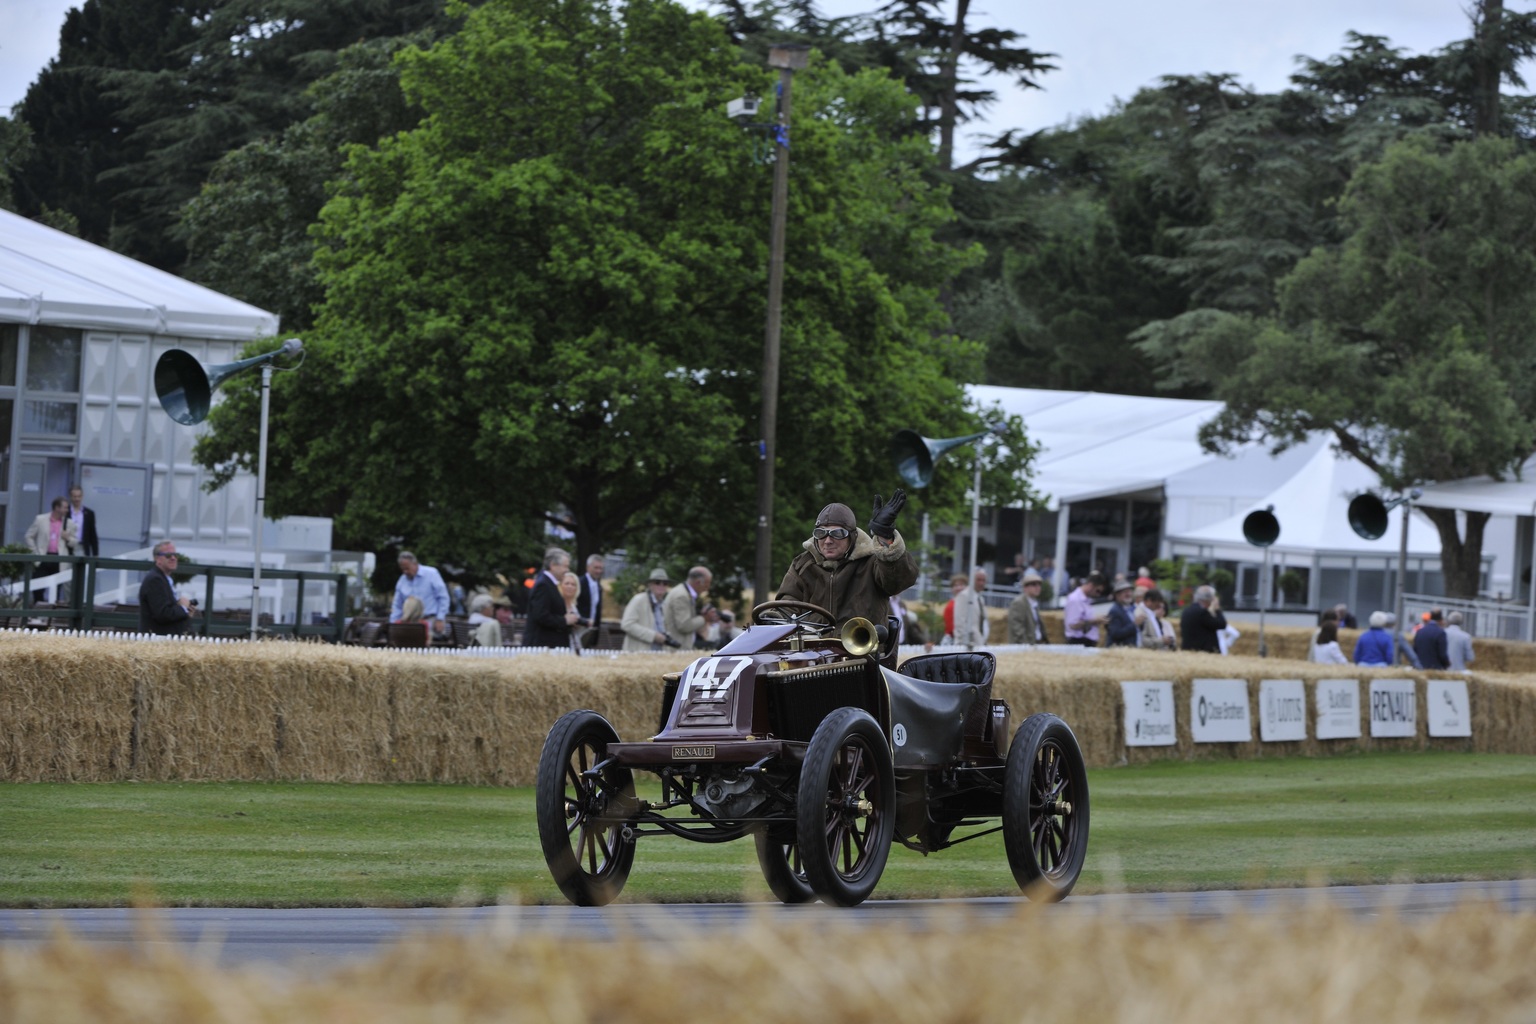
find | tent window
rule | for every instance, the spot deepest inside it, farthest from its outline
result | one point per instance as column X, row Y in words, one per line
column 53, row 360
column 48, row 417
column 8, row 346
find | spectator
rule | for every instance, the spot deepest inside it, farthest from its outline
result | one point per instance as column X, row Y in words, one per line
column 1202, row 621
column 644, row 623
column 971, row 626
column 486, row 628
column 956, row 588
column 1346, row 619
column 1121, row 621
column 85, row 523
column 423, row 582
column 1329, row 615
column 549, row 620
column 848, row 571
column 1402, row 642
column 51, row 533
column 570, row 591
column 1156, row 630
column 1374, row 648
column 1458, row 643
column 1082, row 626
column 160, row 610
column 1013, row 575
column 1325, row 648
column 590, row 600
column 1431, row 645
column 687, row 609
column 1144, row 579
column 1024, row 625
column 908, row 629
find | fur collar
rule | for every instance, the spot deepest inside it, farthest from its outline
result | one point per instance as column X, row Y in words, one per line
column 864, row 546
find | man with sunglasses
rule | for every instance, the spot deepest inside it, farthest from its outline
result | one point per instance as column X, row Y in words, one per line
column 160, row 610
column 848, row 571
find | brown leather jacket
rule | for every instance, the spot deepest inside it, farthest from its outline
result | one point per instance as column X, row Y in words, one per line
column 859, row 583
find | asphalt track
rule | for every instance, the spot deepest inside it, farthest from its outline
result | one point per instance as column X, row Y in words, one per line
column 318, row 939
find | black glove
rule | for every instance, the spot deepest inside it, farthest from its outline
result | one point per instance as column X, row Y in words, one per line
column 883, row 523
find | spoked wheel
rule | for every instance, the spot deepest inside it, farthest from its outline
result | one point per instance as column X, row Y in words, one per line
column 1045, row 808
column 845, row 811
column 782, row 869
column 582, row 815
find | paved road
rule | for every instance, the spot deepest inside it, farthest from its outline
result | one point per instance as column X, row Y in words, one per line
column 321, row 939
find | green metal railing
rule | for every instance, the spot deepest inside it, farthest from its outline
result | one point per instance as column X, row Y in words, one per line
column 80, row 611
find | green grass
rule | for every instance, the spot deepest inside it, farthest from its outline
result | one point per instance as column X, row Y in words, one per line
column 1174, row 825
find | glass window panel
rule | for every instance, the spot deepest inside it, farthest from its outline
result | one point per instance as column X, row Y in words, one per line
column 9, row 343
column 1333, row 587
column 1373, row 590
column 7, row 413
column 44, row 417
column 53, row 360
column 1104, row 517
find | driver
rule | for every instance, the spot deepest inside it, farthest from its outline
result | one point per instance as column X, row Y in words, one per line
column 847, row 571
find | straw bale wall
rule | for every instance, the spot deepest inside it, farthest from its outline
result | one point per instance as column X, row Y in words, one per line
column 91, row 710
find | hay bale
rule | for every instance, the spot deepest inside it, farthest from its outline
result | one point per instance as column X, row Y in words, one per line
column 66, row 709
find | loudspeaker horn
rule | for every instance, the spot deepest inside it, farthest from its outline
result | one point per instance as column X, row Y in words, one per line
column 1368, row 516
column 185, row 389
column 1261, row 528
column 914, row 454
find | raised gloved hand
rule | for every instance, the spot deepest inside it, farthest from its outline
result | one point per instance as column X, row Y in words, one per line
column 882, row 523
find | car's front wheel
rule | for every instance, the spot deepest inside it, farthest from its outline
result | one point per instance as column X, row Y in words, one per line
column 582, row 812
column 845, row 812
column 1045, row 808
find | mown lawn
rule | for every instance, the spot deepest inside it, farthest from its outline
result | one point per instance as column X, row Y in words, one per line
column 1175, row 825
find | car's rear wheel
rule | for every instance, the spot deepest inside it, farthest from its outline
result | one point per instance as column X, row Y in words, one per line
column 845, row 811
column 1045, row 808
column 782, row 869
column 581, row 813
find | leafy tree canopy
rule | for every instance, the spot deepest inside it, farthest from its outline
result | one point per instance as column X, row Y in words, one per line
column 546, row 300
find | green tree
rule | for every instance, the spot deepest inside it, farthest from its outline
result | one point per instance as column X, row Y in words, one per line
column 1410, row 343
column 546, row 301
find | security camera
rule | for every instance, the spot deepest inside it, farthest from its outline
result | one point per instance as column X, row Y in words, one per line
column 743, row 108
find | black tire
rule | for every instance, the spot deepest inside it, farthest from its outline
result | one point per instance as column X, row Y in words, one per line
column 582, row 818
column 1045, row 808
column 782, row 869
column 845, row 812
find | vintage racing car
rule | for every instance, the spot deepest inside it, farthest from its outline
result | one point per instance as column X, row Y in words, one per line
column 807, row 739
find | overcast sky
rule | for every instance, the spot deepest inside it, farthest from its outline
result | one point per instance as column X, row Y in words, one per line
column 1106, row 50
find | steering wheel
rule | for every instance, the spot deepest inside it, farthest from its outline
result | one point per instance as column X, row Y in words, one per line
column 799, row 613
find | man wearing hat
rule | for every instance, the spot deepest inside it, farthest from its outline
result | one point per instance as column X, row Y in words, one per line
column 1024, row 625
column 643, row 624
column 1121, row 624
column 850, row 572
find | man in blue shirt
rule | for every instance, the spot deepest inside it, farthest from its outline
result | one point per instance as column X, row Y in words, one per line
column 426, row 584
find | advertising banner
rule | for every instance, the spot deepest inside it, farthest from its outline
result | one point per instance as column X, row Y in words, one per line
column 1149, row 720
column 1450, row 710
column 1394, row 709
column 1282, row 710
column 1218, row 711
column 1338, row 709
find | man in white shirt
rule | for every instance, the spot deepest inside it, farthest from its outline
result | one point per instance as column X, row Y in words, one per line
column 971, row 613
column 1458, row 643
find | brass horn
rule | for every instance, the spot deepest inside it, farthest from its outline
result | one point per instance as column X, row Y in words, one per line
column 915, row 454
column 859, row 636
column 185, row 389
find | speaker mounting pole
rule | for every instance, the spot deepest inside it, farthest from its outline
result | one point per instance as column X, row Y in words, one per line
column 1261, row 529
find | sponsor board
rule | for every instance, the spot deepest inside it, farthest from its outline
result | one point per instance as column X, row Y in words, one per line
column 1218, row 711
column 1282, row 710
column 1338, row 709
column 1449, row 707
column 1393, row 706
column 1149, row 719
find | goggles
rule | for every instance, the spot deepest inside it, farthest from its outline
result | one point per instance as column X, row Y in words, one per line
column 835, row 532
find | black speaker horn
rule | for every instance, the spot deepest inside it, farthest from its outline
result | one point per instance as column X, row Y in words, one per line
column 185, row 389
column 1368, row 516
column 914, row 454
column 1261, row 528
